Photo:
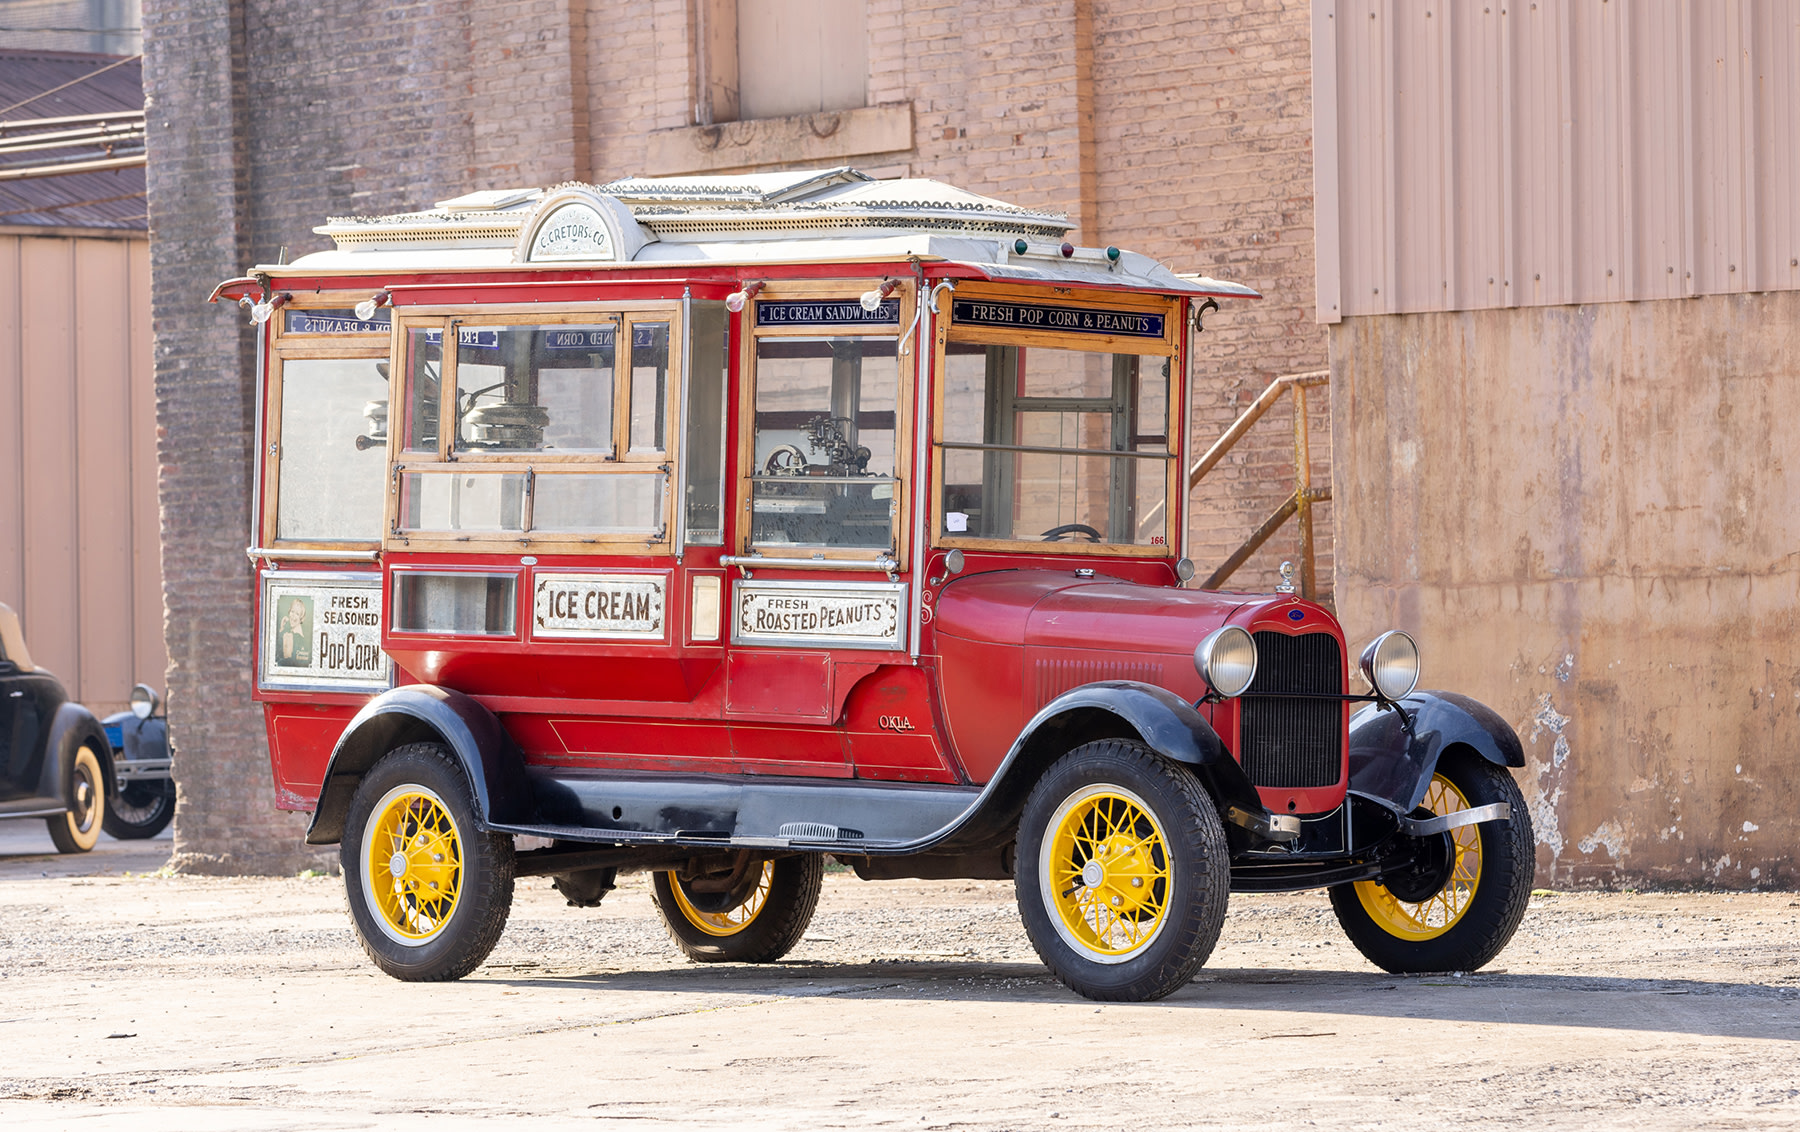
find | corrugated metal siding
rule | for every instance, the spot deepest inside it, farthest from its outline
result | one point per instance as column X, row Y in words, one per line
column 1491, row 153
column 80, row 549
column 112, row 198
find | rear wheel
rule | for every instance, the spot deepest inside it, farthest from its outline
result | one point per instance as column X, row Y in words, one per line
column 755, row 918
column 84, row 792
column 429, row 892
column 1123, row 872
column 1461, row 904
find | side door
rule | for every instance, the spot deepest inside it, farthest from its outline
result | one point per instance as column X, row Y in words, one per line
column 818, row 600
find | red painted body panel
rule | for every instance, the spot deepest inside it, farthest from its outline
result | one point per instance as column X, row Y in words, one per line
column 995, row 643
column 301, row 738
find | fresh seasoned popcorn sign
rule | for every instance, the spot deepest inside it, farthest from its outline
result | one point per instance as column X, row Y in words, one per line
column 844, row 614
column 323, row 630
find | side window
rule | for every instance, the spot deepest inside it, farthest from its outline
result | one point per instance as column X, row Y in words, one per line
column 824, row 431
column 1056, row 436
column 332, row 454
column 548, row 429
column 326, row 431
column 704, row 444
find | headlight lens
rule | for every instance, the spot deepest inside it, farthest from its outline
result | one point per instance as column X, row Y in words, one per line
column 1227, row 660
column 1391, row 664
column 143, row 701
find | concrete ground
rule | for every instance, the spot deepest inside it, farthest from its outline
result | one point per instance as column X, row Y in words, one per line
column 131, row 1000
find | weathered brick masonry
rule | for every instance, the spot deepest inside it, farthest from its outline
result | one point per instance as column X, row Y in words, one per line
column 1180, row 130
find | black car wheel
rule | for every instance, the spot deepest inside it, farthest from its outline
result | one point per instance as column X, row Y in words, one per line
column 429, row 892
column 84, row 792
column 141, row 809
column 1461, row 904
column 1123, row 872
column 756, row 920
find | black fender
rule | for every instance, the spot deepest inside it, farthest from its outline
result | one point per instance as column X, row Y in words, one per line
column 1394, row 759
column 425, row 713
column 70, row 728
column 1110, row 709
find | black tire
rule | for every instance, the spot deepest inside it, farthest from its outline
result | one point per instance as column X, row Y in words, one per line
column 709, row 928
column 1455, row 930
column 84, row 791
column 418, row 799
column 141, row 809
column 1186, row 885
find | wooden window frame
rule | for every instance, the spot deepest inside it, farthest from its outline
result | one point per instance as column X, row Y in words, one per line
column 620, row 461
column 905, row 333
column 1168, row 346
column 285, row 346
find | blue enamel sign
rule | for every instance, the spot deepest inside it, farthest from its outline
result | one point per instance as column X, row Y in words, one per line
column 1059, row 319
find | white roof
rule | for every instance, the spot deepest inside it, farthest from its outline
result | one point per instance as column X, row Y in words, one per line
column 809, row 216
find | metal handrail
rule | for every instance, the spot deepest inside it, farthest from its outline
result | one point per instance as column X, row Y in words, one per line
column 1305, row 494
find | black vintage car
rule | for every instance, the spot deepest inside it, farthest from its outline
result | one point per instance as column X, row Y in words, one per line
column 55, row 760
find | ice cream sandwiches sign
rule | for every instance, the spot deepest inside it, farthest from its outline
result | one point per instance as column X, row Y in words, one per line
column 323, row 631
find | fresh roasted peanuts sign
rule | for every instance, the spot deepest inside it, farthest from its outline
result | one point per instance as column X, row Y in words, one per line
column 323, row 630
column 848, row 614
column 599, row 606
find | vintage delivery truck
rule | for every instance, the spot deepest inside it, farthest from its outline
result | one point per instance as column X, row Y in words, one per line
column 715, row 526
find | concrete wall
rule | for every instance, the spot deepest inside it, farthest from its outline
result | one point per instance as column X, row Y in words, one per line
column 1586, row 517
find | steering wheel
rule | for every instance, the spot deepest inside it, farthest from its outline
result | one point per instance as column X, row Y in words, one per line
column 785, row 460
column 1055, row 533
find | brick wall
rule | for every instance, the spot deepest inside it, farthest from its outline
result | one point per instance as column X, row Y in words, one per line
column 1179, row 130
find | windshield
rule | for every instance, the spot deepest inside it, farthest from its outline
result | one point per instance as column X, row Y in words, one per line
column 1042, row 444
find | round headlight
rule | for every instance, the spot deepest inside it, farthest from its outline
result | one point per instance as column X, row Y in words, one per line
column 1391, row 664
column 143, row 701
column 1227, row 660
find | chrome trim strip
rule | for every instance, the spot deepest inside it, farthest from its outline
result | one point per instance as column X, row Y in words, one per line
column 275, row 554
column 882, row 564
column 680, row 440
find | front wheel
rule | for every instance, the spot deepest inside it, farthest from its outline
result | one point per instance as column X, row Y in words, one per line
column 141, row 809
column 84, row 792
column 1460, row 904
column 754, row 918
column 1123, row 872
column 429, row 892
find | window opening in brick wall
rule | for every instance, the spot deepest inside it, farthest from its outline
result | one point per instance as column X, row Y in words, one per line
column 780, row 58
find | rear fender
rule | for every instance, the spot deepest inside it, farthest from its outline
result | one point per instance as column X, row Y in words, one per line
column 1394, row 760
column 70, row 728
column 1111, row 709
column 424, row 713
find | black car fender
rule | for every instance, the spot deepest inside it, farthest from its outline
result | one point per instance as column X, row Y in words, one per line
column 1393, row 758
column 425, row 713
column 71, row 728
column 1110, row 709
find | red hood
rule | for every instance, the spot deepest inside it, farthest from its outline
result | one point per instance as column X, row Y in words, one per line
column 1054, row 609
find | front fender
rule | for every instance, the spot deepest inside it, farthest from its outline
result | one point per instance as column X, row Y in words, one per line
column 71, row 727
column 424, row 713
column 1389, row 763
column 1110, row 709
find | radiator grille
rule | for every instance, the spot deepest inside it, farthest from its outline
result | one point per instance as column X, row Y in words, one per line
column 1293, row 742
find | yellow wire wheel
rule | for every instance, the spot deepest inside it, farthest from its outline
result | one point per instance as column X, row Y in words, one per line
column 1106, row 873
column 1438, row 913
column 730, row 921
column 757, row 914
column 412, row 864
